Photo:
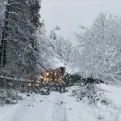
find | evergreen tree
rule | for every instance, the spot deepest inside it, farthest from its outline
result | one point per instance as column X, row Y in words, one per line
column 19, row 51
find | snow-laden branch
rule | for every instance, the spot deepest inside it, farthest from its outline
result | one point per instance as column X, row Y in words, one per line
column 14, row 13
column 17, row 3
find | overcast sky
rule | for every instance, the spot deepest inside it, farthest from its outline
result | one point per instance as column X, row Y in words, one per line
column 68, row 14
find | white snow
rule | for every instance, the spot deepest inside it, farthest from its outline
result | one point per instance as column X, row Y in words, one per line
column 112, row 110
column 63, row 107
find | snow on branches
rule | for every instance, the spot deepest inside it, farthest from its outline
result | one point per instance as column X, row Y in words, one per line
column 101, row 48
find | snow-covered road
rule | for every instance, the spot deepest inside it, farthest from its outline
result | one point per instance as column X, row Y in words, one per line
column 62, row 107
column 53, row 107
column 36, row 108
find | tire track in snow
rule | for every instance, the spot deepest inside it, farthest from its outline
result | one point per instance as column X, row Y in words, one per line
column 58, row 108
column 20, row 111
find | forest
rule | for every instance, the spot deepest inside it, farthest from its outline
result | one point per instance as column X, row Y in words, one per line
column 27, row 49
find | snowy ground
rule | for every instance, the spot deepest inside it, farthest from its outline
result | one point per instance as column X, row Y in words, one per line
column 62, row 107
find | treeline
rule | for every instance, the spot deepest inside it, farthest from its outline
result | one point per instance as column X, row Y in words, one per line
column 101, row 49
column 19, row 46
column 26, row 48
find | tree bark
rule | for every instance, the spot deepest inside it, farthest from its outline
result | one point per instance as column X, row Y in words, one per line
column 3, row 45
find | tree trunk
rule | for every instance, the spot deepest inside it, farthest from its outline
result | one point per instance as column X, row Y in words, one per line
column 4, row 39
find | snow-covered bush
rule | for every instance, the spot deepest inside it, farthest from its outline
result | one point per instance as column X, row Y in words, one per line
column 8, row 96
column 89, row 91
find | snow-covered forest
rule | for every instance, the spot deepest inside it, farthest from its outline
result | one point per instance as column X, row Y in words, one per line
column 92, row 76
column 28, row 45
column 100, row 53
